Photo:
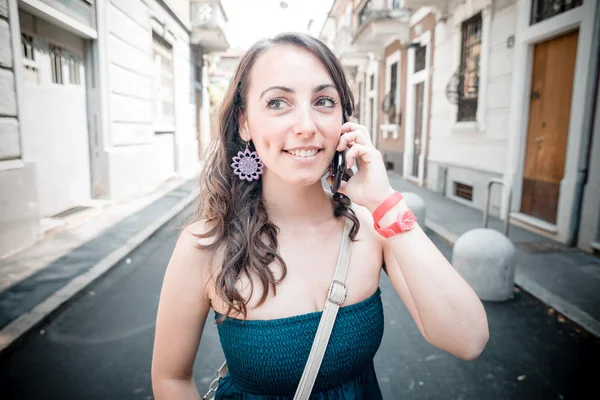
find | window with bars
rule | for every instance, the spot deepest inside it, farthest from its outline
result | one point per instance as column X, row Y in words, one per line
column 30, row 65
column 544, row 9
column 463, row 191
column 164, row 89
column 420, row 58
column 468, row 85
column 56, row 64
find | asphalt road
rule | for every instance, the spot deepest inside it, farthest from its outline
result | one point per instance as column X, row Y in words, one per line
column 100, row 346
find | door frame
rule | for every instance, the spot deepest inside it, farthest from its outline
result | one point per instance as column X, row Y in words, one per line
column 411, row 81
column 527, row 36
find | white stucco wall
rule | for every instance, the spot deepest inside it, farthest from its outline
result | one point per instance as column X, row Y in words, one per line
column 138, row 158
column 473, row 152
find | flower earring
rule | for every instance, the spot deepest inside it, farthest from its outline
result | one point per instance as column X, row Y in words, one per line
column 246, row 165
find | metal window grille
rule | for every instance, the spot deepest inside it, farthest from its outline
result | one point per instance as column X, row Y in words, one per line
column 30, row 65
column 420, row 58
column 544, row 9
column 164, row 88
column 56, row 64
column 468, row 85
column 463, row 191
column 74, row 71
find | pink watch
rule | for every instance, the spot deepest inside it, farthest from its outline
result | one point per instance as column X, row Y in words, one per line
column 405, row 221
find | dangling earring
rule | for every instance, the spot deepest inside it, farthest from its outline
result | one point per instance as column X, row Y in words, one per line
column 247, row 165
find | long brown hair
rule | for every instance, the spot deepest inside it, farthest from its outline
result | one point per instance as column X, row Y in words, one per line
column 233, row 210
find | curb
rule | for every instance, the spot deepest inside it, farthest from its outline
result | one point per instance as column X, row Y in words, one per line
column 29, row 320
column 570, row 311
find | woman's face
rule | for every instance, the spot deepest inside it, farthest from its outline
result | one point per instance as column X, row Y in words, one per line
column 293, row 114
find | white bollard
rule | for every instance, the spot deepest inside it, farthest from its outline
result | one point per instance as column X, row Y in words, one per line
column 485, row 258
column 417, row 205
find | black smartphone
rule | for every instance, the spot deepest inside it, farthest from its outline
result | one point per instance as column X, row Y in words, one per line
column 338, row 170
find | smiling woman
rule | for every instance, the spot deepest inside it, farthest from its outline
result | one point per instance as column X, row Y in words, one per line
column 266, row 245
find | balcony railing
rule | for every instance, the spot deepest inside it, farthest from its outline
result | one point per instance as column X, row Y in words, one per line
column 207, row 13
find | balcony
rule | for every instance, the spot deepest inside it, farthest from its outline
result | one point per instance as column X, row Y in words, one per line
column 378, row 26
column 346, row 51
column 208, row 25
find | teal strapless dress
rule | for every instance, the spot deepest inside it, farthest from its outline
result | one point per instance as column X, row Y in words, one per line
column 266, row 358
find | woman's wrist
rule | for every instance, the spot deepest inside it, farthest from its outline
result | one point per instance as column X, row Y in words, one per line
column 390, row 215
column 378, row 199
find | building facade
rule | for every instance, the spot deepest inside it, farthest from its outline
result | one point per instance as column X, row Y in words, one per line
column 105, row 101
column 464, row 91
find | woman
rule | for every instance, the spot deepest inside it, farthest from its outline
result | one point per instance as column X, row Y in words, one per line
column 263, row 250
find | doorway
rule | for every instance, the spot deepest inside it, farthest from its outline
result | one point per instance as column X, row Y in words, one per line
column 548, row 126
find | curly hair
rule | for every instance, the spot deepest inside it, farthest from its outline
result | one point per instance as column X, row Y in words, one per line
column 234, row 212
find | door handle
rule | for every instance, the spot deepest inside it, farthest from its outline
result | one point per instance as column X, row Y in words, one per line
column 535, row 95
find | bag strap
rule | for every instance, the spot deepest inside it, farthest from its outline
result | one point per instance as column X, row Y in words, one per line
column 335, row 298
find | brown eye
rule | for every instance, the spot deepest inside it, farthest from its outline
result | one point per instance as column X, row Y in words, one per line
column 275, row 104
column 327, row 102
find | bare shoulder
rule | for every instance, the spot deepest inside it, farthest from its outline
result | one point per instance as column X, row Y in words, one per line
column 190, row 259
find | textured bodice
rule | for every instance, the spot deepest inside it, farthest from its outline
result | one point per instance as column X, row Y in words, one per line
column 267, row 357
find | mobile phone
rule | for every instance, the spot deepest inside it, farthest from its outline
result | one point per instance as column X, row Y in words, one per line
column 338, row 170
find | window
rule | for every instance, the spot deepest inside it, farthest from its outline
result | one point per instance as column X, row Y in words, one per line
column 56, row 64
column 395, row 4
column 29, row 62
column 420, row 58
column 463, row 191
column 198, row 73
column 74, row 71
column 393, row 81
column 468, row 85
column 372, row 82
column 544, row 9
column 164, row 90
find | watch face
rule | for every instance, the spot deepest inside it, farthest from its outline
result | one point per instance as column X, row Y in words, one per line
column 407, row 220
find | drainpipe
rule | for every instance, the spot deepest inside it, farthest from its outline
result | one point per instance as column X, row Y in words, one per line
column 588, row 130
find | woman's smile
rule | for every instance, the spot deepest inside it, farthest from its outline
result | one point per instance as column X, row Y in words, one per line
column 304, row 154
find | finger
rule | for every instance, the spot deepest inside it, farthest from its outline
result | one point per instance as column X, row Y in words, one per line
column 347, row 138
column 356, row 151
column 352, row 126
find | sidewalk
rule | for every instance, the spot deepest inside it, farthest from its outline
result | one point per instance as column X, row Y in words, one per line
column 44, row 277
column 564, row 278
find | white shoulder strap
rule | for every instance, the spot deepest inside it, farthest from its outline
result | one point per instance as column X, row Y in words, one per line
column 335, row 298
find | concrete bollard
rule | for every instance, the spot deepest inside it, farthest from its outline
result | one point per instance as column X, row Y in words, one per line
column 485, row 258
column 417, row 205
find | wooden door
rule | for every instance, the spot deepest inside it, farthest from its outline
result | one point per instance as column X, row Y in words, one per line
column 417, row 137
column 547, row 132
